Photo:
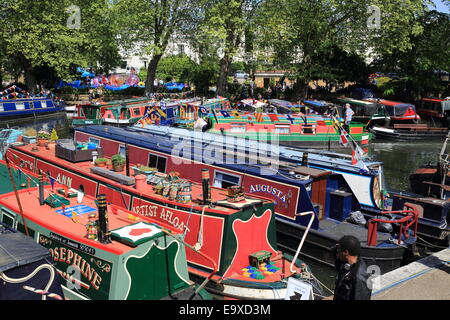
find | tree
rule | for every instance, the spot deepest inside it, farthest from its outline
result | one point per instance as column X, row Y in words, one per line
column 428, row 54
column 299, row 33
column 176, row 67
column 45, row 34
column 224, row 24
column 150, row 25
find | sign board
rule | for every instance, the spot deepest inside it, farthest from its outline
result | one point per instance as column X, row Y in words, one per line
column 299, row 290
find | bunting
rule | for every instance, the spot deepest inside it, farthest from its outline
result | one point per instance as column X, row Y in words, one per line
column 225, row 114
column 290, row 119
column 259, row 117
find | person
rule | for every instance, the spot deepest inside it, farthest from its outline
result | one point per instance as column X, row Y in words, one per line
column 352, row 277
column 348, row 116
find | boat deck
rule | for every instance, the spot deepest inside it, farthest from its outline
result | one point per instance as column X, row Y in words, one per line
column 71, row 222
column 217, row 195
column 339, row 229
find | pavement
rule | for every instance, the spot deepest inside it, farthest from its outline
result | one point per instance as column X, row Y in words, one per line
column 425, row 279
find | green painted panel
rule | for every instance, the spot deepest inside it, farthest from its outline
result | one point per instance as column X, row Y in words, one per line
column 153, row 275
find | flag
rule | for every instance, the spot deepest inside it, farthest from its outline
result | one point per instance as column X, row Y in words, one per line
column 52, row 182
column 225, row 114
column 161, row 113
column 273, row 117
column 343, row 139
column 290, row 119
column 259, row 117
column 236, row 114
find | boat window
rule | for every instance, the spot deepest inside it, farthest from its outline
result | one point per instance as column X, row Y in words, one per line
column 43, row 104
column 21, row 228
column 157, row 162
column 95, row 141
column 225, row 180
column 137, row 112
column 238, row 127
column 282, row 129
column 20, row 106
column 122, row 150
column 8, row 219
column 1, row 107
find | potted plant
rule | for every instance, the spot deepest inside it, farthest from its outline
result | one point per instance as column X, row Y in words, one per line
column 42, row 138
column 118, row 162
column 29, row 135
column 54, row 136
column 101, row 162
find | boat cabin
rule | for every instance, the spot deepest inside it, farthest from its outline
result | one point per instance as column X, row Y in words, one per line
column 398, row 111
column 437, row 109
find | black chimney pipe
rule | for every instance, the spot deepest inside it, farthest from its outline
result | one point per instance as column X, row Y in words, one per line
column 206, row 188
column 104, row 235
column 41, row 190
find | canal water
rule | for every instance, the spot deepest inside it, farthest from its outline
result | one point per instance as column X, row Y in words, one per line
column 400, row 160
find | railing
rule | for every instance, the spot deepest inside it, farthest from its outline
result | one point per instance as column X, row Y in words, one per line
column 312, row 214
column 405, row 223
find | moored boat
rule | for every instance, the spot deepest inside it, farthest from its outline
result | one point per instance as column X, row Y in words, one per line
column 435, row 109
column 15, row 105
column 232, row 231
column 296, row 186
column 409, row 132
column 102, row 252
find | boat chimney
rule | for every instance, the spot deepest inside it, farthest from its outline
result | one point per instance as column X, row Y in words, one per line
column 94, row 156
column 41, row 190
column 141, row 181
column 127, row 160
column 104, row 235
column 305, row 159
column 206, row 188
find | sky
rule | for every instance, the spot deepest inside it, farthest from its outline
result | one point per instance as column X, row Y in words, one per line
column 440, row 6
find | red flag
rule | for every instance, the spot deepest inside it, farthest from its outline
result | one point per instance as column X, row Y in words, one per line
column 273, row 117
column 343, row 139
column 354, row 160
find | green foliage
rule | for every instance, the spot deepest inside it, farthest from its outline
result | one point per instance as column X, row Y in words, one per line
column 178, row 68
column 54, row 135
column 117, row 159
column 36, row 34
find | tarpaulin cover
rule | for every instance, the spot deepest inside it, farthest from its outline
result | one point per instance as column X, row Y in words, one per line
column 281, row 103
column 398, row 110
column 17, row 249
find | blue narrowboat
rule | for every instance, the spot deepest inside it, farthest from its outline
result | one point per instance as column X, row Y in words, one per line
column 17, row 108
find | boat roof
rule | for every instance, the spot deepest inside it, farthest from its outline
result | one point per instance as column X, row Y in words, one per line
column 390, row 103
column 62, row 222
column 164, row 139
column 434, row 99
column 317, row 103
column 17, row 250
column 282, row 103
column 355, row 101
column 84, row 168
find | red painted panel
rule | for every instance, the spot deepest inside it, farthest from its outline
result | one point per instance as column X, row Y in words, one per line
column 252, row 233
column 213, row 227
column 68, row 178
column 115, row 197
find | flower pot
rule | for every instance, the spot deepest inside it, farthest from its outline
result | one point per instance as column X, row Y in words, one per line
column 41, row 142
column 118, row 167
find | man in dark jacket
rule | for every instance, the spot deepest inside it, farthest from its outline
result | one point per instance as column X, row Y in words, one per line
column 352, row 277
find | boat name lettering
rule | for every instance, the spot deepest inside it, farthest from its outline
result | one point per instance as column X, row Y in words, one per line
column 264, row 188
column 62, row 179
column 165, row 215
column 27, row 164
column 73, row 244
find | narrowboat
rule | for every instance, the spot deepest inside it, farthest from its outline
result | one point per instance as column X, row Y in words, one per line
column 232, row 234
column 366, row 111
column 102, row 252
column 398, row 112
column 123, row 112
column 297, row 130
column 13, row 109
column 433, row 179
column 404, row 131
column 26, row 269
column 326, row 185
column 435, row 109
column 363, row 180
